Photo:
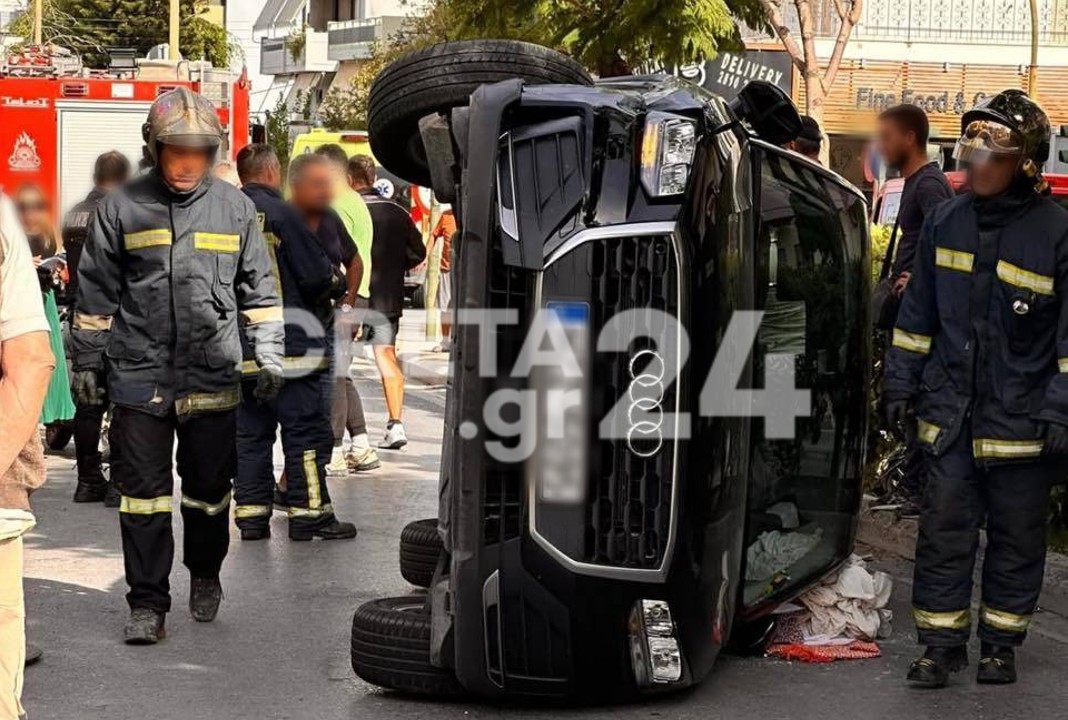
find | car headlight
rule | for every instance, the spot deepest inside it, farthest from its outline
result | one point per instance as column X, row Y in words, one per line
column 667, row 151
column 654, row 648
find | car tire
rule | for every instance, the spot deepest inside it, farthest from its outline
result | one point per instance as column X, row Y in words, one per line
column 420, row 550
column 58, row 434
column 441, row 77
column 391, row 648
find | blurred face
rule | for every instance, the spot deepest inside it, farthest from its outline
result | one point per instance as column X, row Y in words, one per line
column 312, row 190
column 893, row 143
column 184, row 167
column 993, row 176
column 32, row 210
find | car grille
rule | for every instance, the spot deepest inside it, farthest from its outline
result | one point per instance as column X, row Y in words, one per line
column 629, row 506
column 509, row 288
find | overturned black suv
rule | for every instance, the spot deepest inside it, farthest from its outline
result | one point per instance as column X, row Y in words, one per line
column 690, row 492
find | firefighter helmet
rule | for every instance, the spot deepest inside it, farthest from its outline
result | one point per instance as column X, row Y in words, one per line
column 182, row 117
column 1009, row 123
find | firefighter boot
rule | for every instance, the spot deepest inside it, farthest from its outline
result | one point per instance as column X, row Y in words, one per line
column 332, row 530
column 256, row 532
column 90, row 490
column 205, row 594
column 997, row 665
column 145, row 627
column 933, row 669
column 112, row 496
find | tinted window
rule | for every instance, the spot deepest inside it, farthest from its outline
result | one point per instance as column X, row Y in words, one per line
column 811, row 283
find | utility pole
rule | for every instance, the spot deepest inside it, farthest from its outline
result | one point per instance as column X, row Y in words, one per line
column 1032, row 70
column 172, row 45
column 38, row 22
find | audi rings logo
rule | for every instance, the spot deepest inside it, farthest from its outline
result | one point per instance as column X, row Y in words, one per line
column 645, row 412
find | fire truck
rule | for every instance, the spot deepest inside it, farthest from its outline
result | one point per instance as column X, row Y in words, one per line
column 57, row 117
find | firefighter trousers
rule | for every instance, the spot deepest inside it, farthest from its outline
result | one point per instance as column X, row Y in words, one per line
column 306, row 444
column 88, row 420
column 141, row 448
column 1013, row 499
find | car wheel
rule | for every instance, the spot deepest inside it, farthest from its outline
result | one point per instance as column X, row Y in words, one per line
column 391, row 647
column 58, row 434
column 441, row 77
column 420, row 549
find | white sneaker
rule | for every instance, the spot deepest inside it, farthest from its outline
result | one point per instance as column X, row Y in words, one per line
column 338, row 465
column 395, row 438
column 362, row 459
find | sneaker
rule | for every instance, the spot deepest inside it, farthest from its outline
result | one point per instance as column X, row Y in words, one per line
column 362, row 460
column 334, row 530
column 112, row 496
column 933, row 669
column 395, row 438
column 338, row 465
column 205, row 594
column 145, row 627
column 997, row 665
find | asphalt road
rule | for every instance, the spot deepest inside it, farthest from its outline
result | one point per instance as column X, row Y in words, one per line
column 279, row 648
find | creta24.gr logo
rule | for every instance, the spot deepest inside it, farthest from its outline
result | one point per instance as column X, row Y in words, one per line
column 554, row 404
column 24, row 156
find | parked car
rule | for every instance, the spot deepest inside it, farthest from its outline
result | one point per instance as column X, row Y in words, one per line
column 605, row 564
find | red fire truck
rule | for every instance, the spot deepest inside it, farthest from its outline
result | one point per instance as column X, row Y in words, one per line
column 56, row 118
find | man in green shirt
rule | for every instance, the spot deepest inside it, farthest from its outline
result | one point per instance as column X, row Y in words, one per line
column 347, row 406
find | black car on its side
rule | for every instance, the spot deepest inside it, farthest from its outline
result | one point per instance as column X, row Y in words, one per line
column 711, row 469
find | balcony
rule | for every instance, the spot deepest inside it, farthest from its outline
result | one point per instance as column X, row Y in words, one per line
column 286, row 56
column 356, row 39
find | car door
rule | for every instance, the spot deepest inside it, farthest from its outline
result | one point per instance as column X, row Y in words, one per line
column 812, row 283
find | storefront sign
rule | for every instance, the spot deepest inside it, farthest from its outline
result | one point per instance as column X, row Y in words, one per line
column 730, row 71
column 878, row 100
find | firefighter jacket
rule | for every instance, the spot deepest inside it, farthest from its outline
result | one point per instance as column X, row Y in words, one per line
column 75, row 230
column 982, row 336
column 162, row 281
column 306, row 278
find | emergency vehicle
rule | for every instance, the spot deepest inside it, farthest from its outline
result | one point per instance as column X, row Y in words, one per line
column 57, row 117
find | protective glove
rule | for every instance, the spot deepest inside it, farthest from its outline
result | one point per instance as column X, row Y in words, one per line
column 1056, row 440
column 87, row 388
column 268, row 384
column 897, row 414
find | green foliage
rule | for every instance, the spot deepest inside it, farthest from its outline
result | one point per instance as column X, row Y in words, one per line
column 345, row 108
column 611, row 37
column 296, row 41
column 90, row 27
column 277, row 127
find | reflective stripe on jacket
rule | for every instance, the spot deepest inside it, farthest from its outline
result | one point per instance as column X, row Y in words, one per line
column 982, row 336
column 163, row 281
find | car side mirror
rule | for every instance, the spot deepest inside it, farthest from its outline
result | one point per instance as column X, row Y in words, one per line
column 768, row 110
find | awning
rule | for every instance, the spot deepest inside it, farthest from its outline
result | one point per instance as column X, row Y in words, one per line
column 301, row 83
column 345, row 72
column 263, row 101
column 278, row 14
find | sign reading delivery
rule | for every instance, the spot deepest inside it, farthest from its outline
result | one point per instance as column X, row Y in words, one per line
column 730, row 71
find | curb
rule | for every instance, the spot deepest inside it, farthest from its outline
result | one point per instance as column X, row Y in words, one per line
column 426, row 368
column 881, row 531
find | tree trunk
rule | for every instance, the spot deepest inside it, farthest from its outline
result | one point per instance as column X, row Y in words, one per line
column 814, row 100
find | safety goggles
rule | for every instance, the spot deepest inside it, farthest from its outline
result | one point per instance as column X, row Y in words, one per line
column 986, row 140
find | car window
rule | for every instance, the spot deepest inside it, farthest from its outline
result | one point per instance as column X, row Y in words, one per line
column 804, row 492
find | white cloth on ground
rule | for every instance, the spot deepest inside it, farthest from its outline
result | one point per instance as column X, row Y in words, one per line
column 851, row 603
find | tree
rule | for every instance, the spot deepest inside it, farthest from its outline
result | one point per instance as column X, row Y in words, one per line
column 610, row 37
column 818, row 82
column 90, row 27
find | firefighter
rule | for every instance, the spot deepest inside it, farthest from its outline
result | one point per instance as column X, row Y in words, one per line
column 309, row 283
column 111, row 170
column 979, row 357
column 171, row 262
